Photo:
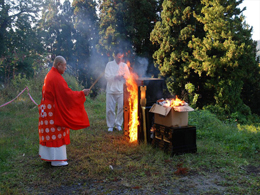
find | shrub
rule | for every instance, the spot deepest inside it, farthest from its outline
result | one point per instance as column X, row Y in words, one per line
column 240, row 138
column 72, row 82
column 34, row 85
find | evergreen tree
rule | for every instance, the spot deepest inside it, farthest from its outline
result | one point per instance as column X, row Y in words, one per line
column 172, row 35
column 111, row 16
column 128, row 24
column 19, row 43
column 140, row 21
column 89, row 63
column 57, row 29
column 205, row 43
column 225, row 53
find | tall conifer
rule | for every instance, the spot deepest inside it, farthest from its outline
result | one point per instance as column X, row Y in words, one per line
column 128, row 24
column 172, row 34
column 206, row 43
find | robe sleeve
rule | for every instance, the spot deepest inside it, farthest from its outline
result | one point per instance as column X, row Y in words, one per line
column 69, row 106
column 109, row 74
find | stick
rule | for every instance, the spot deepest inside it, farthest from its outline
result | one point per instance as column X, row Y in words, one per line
column 101, row 75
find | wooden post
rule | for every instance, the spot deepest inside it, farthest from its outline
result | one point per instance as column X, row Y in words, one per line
column 126, row 113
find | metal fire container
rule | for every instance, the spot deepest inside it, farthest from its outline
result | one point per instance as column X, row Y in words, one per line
column 149, row 91
column 152, row 90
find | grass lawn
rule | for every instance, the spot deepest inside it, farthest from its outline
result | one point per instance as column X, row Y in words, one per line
column 227, row 160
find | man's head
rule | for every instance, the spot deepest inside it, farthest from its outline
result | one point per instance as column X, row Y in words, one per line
column 60, row 64
column 119, row 54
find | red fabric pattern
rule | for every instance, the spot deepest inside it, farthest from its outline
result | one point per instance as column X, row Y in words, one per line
column 61, row 109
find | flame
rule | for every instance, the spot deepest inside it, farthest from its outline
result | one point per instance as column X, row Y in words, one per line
column 167, row 103
column 174, row 102
column 132, row 88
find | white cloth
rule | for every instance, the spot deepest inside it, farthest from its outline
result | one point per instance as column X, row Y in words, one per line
column 114, row 92
column 53, row 153
column 115, row 86
column 113, row 119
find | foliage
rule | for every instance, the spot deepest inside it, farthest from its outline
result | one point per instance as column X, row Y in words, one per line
column 204, row 43
column 241, row 138
column 220, row 54
column 172, row 35
column 207, row 60
column 242, row 116
column 217, row 110
column 251, row 88
column 127, row 24
column 56, row 29
column 19, row 41
column 89, row 63
column 18, row 84
column 71, row 31
column 72, row 82
column 192, row 97
column 34, row 85
column 14, row 16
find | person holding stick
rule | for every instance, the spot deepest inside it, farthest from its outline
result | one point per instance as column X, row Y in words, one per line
column 61, row 109
column 116, row 72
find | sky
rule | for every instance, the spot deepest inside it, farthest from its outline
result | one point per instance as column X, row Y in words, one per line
column 252, row 16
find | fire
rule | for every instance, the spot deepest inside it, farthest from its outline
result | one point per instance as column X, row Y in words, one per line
column 174, row 102
column 132, row 88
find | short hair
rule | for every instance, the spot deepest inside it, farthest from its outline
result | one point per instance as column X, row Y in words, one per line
column 118, row 50
column 57, row 60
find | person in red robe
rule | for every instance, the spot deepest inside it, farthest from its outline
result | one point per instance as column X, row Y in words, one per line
column 61, row 109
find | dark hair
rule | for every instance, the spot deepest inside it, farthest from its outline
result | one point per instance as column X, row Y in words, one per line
column 118, row 50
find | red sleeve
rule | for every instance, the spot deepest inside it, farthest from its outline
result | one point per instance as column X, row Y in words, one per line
column 69, row 106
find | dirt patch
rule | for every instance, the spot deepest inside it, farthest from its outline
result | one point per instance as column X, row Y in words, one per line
column 251, row 169
column 190, row 184
column 202, row 183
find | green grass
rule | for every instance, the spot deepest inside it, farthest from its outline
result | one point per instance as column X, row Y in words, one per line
column 105, row 163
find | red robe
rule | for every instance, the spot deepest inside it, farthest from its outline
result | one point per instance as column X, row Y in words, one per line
column 61, row 109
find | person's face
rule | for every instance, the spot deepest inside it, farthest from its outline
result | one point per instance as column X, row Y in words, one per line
column 62, row 67
column 119, row 57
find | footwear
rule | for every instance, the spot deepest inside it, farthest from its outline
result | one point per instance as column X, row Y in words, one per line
column 59, row 163
column 110, row 129
column 119, row 128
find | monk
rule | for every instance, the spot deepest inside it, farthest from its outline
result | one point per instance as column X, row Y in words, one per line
column 61, row 109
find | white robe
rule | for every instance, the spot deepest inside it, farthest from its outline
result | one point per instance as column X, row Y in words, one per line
column 114, row 92
column 53, row 153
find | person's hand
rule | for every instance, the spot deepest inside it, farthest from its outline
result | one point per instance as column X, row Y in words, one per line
column 86, row 91
column 119, row 77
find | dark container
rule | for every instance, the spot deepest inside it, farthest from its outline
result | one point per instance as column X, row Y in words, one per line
column 175, row 141
column 149, row 91
column 155, row 89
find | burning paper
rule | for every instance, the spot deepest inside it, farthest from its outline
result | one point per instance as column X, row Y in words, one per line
column 174, row 102
column 171, row 112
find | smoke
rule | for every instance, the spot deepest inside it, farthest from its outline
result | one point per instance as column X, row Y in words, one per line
column 145, row 68
column 141, row 66
column 84, row 61
column 87, row 64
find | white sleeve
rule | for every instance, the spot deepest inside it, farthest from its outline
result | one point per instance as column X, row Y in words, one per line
column 109, row 75
column 126, row 71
